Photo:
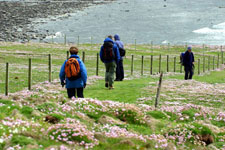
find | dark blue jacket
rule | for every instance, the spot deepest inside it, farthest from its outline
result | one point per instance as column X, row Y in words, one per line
column 188, row 59
column 115, row 49
column 78, row 83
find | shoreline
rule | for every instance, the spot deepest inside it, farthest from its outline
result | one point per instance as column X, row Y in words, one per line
column 19, row 17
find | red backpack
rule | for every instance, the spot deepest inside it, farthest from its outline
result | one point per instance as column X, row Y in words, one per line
column 108, row 53
column 72, row 69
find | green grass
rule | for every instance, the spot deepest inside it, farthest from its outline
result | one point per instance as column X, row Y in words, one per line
column 127, row 91
column 26, row 111
column 213, row 77
column 21, row 140
column 157, row 115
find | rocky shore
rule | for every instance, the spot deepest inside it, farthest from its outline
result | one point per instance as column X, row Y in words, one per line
column 17, row 17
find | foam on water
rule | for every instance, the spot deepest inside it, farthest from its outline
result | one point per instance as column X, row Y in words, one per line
column 57, row 35
column 216, row 29
column 211, row 35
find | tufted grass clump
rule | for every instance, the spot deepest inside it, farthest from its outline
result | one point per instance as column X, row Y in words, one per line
column 129, row 116
column 72, row 132
column 201, row 129
column 157, row 114
column 21, row 140
column 27, row 111
column 6, row 102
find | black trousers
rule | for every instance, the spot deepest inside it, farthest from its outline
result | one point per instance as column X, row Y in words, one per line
column 188, row 72
column 72, row 92
column 119, row 71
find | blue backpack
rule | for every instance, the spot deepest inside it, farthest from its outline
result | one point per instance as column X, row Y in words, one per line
column 182, row 58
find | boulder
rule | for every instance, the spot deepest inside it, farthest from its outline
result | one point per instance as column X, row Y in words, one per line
column 51, row 119
column 208, row 139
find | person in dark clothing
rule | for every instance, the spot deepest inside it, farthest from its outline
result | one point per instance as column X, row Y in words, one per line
column 74, row 87
column 188, row 63
column 109, row 56
column 119, row 67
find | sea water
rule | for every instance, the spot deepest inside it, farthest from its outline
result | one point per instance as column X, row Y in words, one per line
column 160, row 21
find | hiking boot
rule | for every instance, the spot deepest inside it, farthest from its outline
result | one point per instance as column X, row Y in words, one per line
column 117, row 80
column 111, row 88
column 106, row 85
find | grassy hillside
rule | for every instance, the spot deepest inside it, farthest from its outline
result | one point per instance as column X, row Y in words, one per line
column 191, row 114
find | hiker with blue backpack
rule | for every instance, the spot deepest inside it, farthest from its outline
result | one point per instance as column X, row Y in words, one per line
column 73, row 74
column 119, row 67
column 110, row 56
column 187, row 60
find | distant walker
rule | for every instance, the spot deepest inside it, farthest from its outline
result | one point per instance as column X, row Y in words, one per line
column 188, row 62
column 110, row 56
column 119, row 67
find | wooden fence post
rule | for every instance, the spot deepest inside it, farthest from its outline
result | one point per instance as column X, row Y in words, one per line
column 160, row 61
column 7, row 79
column 29, row 75
column 97, row 64
column 222, row 61
column 67, row 54
column 222, row 57
column 218, row 60
column 167, row 63
column 213, row 62
column 158, row 90
column 151, row 64
column 198, row 66
column 50, row 67
column 142, row 65
column 204, row 63
column 132, row 64
column 174, row 64
column 83, row 56
column 209, row 63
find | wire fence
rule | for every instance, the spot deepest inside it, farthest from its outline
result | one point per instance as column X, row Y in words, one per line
column 41, row 67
